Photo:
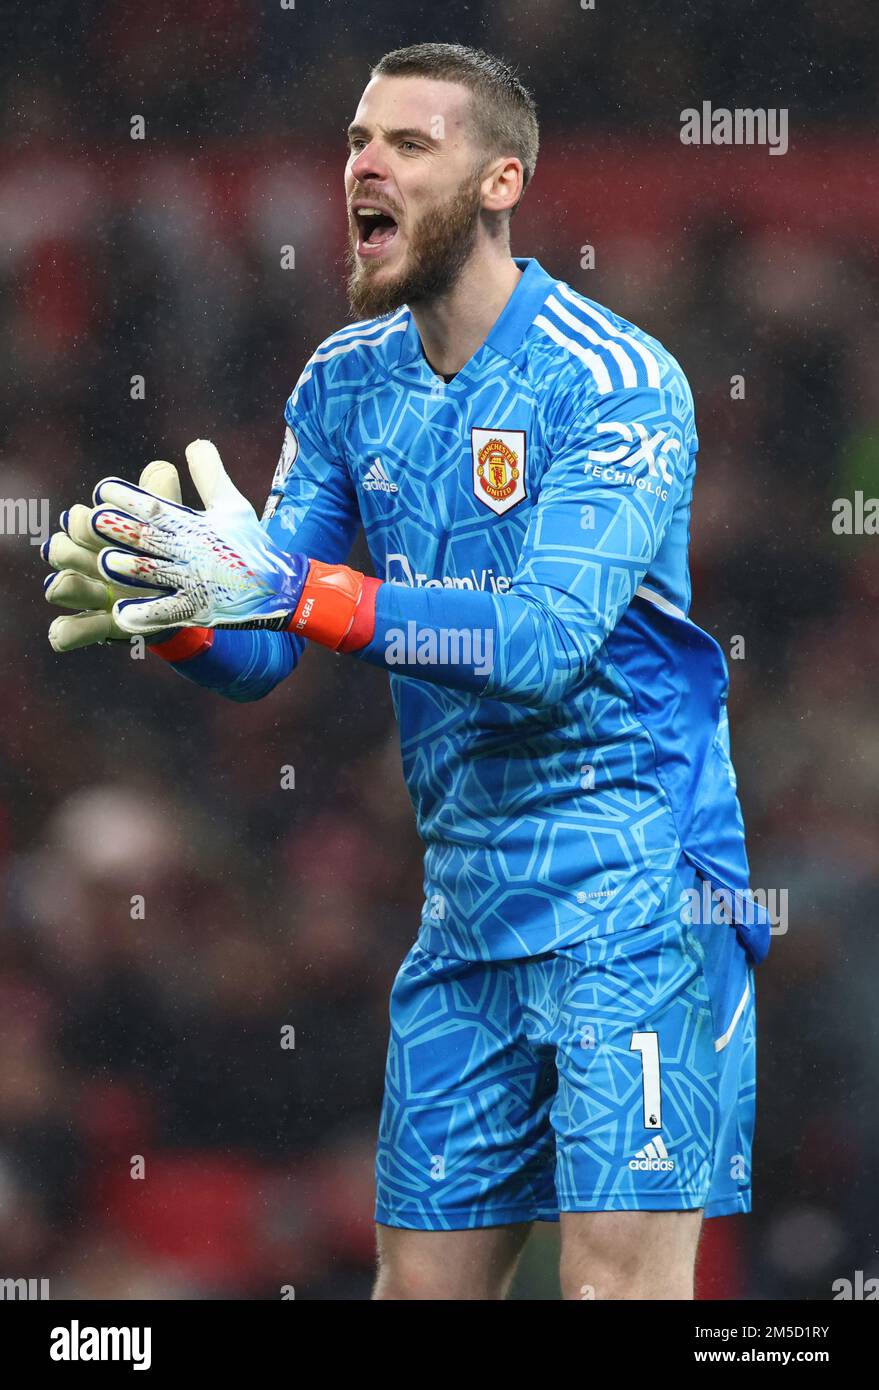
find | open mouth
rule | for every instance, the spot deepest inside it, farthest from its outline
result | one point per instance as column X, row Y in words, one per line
column 376, row 230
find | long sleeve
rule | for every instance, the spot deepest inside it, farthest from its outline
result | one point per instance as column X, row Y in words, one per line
column 242, row 666
column 604, row 505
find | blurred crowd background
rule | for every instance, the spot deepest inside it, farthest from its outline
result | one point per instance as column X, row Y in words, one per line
column 155, row 1029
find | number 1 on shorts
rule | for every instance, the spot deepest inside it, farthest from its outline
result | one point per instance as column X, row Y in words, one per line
column 648, row 1046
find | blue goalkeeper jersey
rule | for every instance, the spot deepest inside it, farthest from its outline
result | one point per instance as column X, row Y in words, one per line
column 563, row 723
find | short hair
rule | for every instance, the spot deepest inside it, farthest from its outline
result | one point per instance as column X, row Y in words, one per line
column 503, row 112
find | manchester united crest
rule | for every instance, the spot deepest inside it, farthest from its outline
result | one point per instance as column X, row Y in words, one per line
column 498, row 468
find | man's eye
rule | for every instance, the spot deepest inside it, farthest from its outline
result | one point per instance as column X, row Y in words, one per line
column 409, row 144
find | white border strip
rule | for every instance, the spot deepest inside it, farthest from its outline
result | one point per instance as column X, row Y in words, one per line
column 653, row 597
column 721, row 1042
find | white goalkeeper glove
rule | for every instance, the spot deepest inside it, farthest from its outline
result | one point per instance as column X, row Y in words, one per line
column 213, row 568
column 79, row 584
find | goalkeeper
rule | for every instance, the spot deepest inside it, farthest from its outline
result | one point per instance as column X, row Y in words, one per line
column 570, row 1038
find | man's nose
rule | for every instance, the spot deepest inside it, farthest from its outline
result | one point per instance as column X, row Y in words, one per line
column 370, row 163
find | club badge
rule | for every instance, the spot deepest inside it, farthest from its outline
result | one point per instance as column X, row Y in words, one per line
column 498, row 468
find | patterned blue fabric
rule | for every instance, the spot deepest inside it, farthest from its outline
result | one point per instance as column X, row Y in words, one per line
column 563, row 723
column 516, row 1089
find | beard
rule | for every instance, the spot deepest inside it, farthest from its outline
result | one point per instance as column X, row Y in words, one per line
column 440, row 243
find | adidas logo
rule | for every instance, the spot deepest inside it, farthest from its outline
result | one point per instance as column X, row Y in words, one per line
column 377, row 480
column 653, row 1158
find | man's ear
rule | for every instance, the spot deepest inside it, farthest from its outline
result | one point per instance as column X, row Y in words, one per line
column 503, row 184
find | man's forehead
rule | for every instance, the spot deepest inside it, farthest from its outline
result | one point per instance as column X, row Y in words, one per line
column 411, row 101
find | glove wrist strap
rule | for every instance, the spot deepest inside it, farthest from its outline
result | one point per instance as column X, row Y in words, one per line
column 181, row 645
column 336, row 608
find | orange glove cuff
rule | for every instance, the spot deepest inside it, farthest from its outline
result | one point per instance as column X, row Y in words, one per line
column 189, row 641
column 328, row 608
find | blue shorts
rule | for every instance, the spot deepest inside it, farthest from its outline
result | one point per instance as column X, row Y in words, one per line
column 615, row 1075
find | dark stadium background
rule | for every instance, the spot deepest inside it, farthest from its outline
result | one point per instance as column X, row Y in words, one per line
column 267, row 907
